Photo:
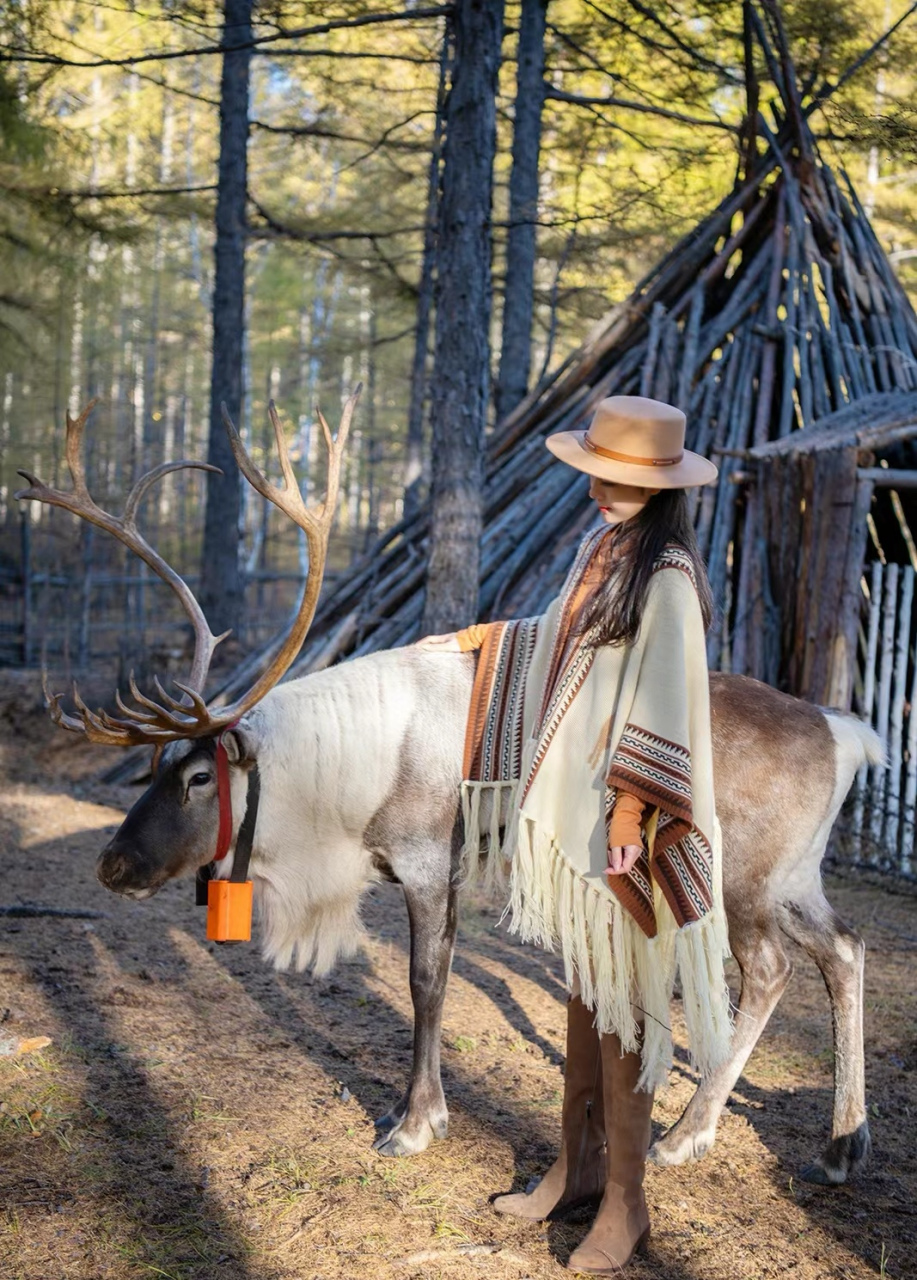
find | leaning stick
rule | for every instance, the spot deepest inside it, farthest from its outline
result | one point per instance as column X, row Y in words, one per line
column 689, row 371
column 652, row 349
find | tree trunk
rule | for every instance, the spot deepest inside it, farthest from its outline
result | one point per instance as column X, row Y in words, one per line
column 221, row 579
column 518, row 293
column 413, row 471
column 152, row 431
column 371, row 428
column 463, row 300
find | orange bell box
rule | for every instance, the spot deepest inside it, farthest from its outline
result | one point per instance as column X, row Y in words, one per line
column 229, row 911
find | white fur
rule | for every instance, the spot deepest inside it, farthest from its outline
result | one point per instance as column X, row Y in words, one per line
column 855, row 744
column 328, row 747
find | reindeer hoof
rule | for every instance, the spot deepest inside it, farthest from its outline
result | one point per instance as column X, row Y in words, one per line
column 842, row 1157
column 674, row 1148
column 410, row 1138
column 398, row 1143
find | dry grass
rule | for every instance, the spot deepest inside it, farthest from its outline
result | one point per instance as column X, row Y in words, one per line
column 200, row 1116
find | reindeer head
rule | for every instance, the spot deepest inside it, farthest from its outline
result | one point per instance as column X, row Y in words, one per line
column 172, row 827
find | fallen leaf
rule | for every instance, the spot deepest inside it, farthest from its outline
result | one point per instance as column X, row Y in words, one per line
column 33, row 1044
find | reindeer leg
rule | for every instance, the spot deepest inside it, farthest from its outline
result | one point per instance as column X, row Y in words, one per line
column 422, row 1114
column 839, row 954
column 765, row 970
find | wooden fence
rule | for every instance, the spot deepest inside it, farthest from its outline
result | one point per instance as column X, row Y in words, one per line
column 883, row 815
column 72, row 623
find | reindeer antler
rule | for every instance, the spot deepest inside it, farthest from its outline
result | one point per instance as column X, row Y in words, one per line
column 170, row 719
column 315, row 524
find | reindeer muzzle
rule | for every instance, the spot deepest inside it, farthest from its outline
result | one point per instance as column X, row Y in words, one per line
column 123, row 872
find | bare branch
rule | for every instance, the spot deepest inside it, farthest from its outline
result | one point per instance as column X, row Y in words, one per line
column 348, row 54
column 16, row 54
column 103, row 193
column 324, row 131
column 827, row 90
column 694, row 54
column 581, row 100
column 320, row 237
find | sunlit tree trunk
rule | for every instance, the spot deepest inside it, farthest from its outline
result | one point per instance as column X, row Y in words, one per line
column 7, row 508
column 221, row 578
column 519, row 290
column 373, row 451
column 152, row 437
column 460, row 380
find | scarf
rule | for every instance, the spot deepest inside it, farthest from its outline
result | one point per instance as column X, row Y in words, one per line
column 557, row 724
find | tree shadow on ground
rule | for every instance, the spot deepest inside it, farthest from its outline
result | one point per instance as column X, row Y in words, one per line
column 125, row 1165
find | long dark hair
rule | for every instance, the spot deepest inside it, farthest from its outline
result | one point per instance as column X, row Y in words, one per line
column 617, row 609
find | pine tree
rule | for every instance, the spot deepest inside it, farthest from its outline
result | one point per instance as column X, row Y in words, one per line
column 221, row 591
column 463, row 298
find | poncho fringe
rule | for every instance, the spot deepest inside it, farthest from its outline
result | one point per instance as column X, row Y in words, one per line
column 622, row 973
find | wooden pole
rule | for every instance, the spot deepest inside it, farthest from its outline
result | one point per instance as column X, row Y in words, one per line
column 893, row 790
column 842, row 668
column 869, row 686
column 886, row 666
column 910, row 784
column 25, row 527
column 889, row 477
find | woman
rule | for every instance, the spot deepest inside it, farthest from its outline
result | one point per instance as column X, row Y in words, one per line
column 595, row 719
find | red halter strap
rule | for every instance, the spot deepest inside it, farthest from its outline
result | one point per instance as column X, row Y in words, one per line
column 224, row 796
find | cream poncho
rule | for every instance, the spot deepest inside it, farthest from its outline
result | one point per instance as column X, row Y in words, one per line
column 554, row 728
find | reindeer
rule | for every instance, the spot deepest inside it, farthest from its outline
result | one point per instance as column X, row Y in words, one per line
column 360, row 769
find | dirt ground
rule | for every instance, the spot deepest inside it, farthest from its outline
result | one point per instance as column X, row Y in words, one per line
column 198, row 1115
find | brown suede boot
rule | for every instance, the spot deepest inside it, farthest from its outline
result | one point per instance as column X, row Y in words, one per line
column 622, row 1224
column 577, row 1176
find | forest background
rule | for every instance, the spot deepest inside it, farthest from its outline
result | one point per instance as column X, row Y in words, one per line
column 109, row 143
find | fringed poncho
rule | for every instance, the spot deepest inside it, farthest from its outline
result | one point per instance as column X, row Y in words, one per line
column 557, row 724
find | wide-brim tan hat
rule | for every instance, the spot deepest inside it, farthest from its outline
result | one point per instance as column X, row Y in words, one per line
column 633, row 440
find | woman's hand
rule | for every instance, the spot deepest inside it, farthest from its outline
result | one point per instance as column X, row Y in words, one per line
column 621, row 858
column 440, row 644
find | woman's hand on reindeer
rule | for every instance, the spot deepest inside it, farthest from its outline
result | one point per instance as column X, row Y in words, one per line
column 621, row 858
column 440, row 644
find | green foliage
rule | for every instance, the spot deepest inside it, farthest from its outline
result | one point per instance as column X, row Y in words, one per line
column 20, row 139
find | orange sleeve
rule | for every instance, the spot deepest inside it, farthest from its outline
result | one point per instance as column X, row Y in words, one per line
column 626, row 820
column 472, row 637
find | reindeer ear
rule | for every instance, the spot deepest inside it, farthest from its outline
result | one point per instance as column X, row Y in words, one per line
column 238, row 746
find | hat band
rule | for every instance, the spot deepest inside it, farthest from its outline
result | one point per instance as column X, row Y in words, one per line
column 629, row 457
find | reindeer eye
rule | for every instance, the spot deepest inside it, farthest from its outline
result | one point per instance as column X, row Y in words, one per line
column 199, row 780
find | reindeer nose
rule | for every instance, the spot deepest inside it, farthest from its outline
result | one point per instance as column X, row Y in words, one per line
column 112, row 867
